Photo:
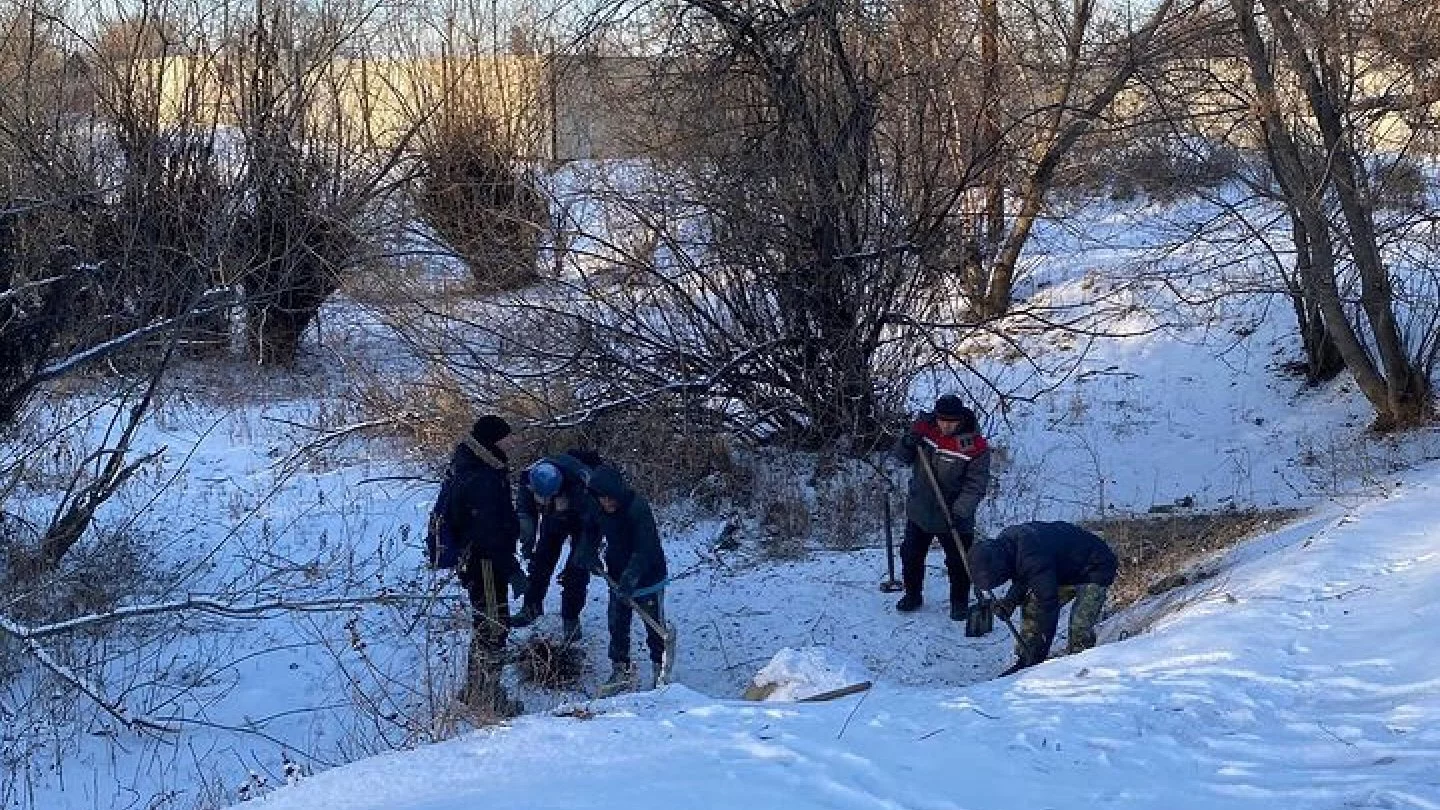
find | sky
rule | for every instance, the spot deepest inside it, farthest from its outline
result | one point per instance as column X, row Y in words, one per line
column 1301, row 674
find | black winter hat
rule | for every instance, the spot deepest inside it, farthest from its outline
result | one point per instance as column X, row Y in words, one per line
column 950, row 407
column 607, row 482
column 490, row 429
column 990, row 563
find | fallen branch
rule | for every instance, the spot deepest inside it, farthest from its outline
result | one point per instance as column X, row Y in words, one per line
column 836, row 693
column 203, row 604
column 70, row 676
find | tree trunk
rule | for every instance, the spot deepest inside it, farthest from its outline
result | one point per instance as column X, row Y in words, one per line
column 1398, row 390
column 1322, row 359
column 1056, row 143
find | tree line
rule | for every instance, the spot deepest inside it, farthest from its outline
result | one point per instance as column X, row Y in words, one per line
column 831, row 197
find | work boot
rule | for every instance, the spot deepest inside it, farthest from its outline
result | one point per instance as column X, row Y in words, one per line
column 959, row 611
column 622, row 679
column 570, row 631
column 527, row 615
column 909, row 603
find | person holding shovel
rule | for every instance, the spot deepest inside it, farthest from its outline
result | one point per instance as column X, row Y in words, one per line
column 950, row 473
column 483, row 516
column 636, row 573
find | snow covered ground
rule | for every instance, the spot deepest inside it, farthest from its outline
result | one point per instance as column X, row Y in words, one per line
column 1304, row 677
column 1302, row 674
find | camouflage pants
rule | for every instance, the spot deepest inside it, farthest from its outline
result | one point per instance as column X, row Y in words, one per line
column 1089, row 598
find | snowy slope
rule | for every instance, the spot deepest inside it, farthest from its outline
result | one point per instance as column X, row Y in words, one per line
column 1213, row 707
column 1304, row 677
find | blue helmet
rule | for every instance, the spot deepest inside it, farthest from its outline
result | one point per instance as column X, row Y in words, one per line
column 545, row 479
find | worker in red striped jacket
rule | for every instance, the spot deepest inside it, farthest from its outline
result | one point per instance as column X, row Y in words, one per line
column 949, row 437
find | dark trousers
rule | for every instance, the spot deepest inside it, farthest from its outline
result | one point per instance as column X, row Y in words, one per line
column 490, row 611
column 912, row 562
column 574, row 581
column 620, row 614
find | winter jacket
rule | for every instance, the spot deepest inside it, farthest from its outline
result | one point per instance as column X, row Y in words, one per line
column 962, row 467
column 633, row 555
column 572, row 503
column 1039, row 559
column 480, row 508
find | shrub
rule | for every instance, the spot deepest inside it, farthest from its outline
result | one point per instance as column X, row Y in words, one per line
column 1161, row 551
column 475, row 194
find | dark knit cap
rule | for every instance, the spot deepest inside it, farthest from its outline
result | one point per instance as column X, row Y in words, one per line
column 607, row 482
column 490, row 429
column 950, row 407
column 991, row 563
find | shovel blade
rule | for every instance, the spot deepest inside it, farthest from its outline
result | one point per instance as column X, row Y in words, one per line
column 667, row 661
column 980, row 620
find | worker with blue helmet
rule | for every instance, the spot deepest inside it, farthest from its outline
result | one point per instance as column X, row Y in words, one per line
column 554, row 506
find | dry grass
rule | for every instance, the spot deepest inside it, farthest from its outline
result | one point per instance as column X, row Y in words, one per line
column 431, row 414
column 661, row 459
column 551, row 664
column 1161, row 552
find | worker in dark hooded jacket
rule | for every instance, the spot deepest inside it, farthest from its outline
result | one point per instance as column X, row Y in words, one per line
column 950, row 440
column 1047, row 564
column 554, row 507
column 635, row 560
column 482, row 515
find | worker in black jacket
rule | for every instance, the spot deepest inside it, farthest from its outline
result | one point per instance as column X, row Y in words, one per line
column 635, row 559
column 554, row 508
column 482, row 513
column 1047, row 564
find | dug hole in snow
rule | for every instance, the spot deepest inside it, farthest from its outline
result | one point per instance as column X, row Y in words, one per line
column 805, row 673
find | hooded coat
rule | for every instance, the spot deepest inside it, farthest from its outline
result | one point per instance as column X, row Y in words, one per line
column 480, row 507
column 633, row 554
column 1038, row 559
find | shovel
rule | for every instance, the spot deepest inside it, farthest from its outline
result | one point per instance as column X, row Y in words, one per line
column 666, row 631
column 981, row 613
column 889, row 584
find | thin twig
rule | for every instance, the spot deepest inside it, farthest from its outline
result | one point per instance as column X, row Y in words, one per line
column 851, row 715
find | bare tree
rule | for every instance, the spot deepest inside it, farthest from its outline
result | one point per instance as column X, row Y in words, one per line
column 1063, row 69
column 169, row 201
column 1321, row 156
column 761, row 251
column 818, row 186
column 101, row 252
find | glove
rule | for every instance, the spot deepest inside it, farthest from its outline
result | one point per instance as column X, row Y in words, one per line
column 527, row 537
column 910, row 440
column 629, row 583
column 1003, row 607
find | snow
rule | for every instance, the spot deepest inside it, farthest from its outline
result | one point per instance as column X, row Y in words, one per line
column 1304, row 678
column 797, row 674
column 1302, row 674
